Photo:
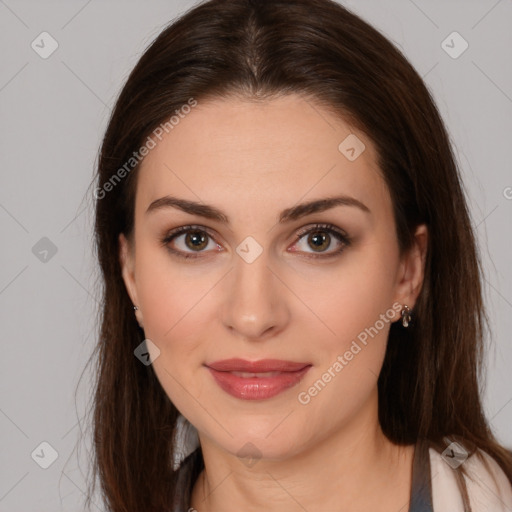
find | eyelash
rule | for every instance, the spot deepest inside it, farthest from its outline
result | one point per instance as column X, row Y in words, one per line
column 328, row 228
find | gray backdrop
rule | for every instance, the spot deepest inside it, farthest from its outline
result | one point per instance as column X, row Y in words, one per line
column 53, row 111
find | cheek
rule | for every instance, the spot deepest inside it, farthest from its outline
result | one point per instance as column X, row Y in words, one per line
column 353, row 294
column 355, row 303
column 350, row 355
column 172, row 296
column 176, row 320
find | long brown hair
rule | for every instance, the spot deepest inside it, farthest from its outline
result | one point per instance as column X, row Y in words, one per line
column 429, row 384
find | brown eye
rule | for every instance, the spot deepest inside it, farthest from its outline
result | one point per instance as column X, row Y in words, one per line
column 196, row 240
column 319, row 239
column 189, row 241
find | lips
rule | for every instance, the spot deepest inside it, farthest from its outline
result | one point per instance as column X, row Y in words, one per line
column 264, row 365
column 256, row 380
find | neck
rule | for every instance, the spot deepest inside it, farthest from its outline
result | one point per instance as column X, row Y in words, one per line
column 351, row 469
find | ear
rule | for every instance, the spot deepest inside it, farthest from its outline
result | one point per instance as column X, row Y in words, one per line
column 412, row 269
column 127, row 262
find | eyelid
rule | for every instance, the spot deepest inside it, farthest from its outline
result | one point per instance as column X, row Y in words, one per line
column 319, row 226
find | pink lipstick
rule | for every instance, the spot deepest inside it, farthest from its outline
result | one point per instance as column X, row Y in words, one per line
column 257, row 380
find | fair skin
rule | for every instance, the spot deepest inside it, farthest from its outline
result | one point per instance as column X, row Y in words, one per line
column 252, row 161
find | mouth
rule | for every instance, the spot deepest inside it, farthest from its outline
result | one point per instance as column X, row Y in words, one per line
column 259, row 374
column 261, row 366
column 256, row 380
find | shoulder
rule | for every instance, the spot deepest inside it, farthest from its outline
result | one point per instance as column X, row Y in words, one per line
column 488, row 486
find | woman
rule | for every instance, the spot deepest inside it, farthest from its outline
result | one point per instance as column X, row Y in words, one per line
column 292, row 310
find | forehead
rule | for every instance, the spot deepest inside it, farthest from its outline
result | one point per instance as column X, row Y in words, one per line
column 272, row 153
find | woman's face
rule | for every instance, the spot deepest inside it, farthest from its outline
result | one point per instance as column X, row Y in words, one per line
column 261, row 281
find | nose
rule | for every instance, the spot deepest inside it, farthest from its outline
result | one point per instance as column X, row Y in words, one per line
column 256, row 305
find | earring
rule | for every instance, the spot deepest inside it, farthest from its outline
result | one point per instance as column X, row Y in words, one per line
column 136, row 308
column 406, row 316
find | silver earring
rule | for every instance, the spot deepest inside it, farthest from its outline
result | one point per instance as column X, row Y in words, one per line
column 136, row 309
column 406, row 316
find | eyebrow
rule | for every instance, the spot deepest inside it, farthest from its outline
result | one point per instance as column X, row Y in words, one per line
column 287, row 215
